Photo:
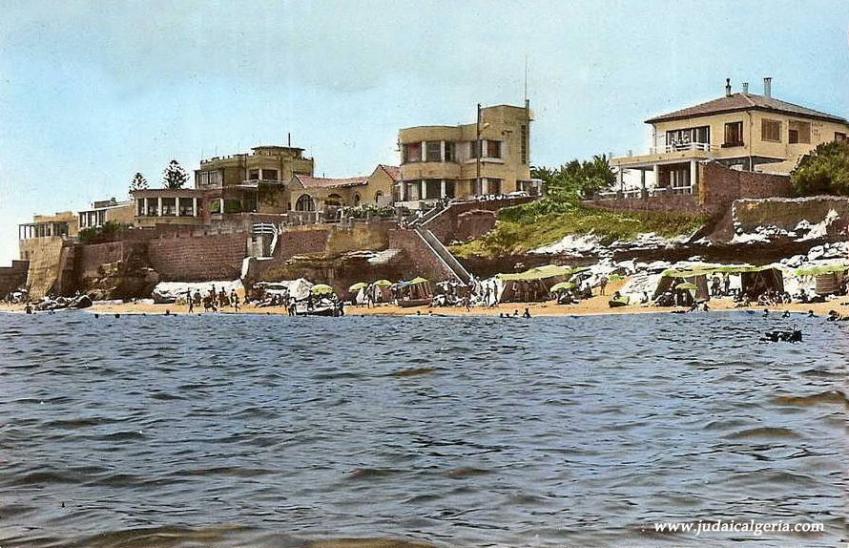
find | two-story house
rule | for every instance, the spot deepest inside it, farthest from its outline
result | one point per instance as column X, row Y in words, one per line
column 488, row 157
column 740, row 130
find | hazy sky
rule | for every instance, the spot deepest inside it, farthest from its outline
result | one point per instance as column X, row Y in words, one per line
column 91, row 92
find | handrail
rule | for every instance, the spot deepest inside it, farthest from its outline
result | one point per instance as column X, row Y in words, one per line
column 682, row 147
column 447, row 258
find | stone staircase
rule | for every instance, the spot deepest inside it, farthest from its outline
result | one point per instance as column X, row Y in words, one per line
column 445, row 257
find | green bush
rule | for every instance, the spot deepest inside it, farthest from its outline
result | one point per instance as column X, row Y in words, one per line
column 108, row 232
column 824, row 170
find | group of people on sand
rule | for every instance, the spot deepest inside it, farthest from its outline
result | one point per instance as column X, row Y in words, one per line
column 213, row 300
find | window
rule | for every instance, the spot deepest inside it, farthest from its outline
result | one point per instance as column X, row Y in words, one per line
column 733, row 134
column 449, row 189
column 152, row 207
column 186, row 207
column 523, row 134
column 771, row 130
column 140, row 207
column 800, row 132
column 688, row 138
column 450, row 152
column 378, row 196
column 493, row 186
column 493, row 149
column 269, row 174
column 840, row 137
column 434, row 151
column 305, row 203
column 473, row 150
column 169, row 207
column 412, row 153
column 253, row 174
column 433, row 189
column 334, row 200
column 356, row 199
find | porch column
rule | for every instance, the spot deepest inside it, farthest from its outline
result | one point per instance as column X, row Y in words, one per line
column 484, row 186
column 424, row 151
column 693, row 175
column 221, row 205
column 402, row 191
column 422, row 189
column 656, row 169
column 621, row 180
column 159, row 206
column 642, row 183
column 442, row 182
column 442, row 151
column 194, row 207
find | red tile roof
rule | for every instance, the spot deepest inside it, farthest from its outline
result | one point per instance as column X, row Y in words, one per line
column 744, row 101
column 327, row 182
column 393, row 171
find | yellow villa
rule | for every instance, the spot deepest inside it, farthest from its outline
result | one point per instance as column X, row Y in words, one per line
column 741, row 130
column 439, row 162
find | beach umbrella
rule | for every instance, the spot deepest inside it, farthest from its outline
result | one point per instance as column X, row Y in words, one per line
column 357, row 286
column 383, row 283
column 687, row 286
column 417, row 280
column 321, row 289
column 562, row 286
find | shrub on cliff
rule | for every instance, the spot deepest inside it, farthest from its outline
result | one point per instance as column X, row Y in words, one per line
column 824, row 170
column 99, row 234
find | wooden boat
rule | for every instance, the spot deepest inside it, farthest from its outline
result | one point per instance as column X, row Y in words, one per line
column 408, row 303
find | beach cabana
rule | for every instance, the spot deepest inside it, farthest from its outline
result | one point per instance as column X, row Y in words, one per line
column 828, row 279
column 687, row 285
column 533, row 285
column 755, row 281
column 416, row 292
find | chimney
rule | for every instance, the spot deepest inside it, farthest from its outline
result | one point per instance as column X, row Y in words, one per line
column 728, row 87
column 745, row 88
column 768, row 86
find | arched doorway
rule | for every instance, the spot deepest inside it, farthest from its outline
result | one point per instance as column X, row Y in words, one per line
column 377, row 197
column 356, row 199
column 305, row 203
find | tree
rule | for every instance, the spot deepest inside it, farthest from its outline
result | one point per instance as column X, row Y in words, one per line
column 824, row 170
column 174, row 175
column 138, row 182
column 576, row 179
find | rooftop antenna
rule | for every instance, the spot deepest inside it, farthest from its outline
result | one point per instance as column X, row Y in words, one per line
column 526, row 77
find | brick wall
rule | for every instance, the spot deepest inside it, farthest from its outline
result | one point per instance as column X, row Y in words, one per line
column 13, row 277
column 444, row 225
column 198, row 258
column 421, row 261
column 678, row 203
column 719, row 186
column 474, row 224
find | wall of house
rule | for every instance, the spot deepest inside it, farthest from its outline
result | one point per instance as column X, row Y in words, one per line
column 198, row 258
column 13, row 277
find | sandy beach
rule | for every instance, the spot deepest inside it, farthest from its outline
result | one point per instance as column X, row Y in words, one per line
column 598, row 305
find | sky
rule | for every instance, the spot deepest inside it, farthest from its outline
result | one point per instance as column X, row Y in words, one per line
column 92, row 92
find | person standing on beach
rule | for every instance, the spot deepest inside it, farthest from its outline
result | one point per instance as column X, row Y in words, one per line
column 726, row 284
column 602, row 284
column 190, row 300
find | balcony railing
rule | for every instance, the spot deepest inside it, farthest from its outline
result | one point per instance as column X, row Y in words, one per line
column 650, row 192
column 682, row 147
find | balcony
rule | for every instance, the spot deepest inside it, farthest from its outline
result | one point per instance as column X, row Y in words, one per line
column 667, row 154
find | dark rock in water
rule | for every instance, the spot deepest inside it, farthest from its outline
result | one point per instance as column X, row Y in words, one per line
column 783, row 336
